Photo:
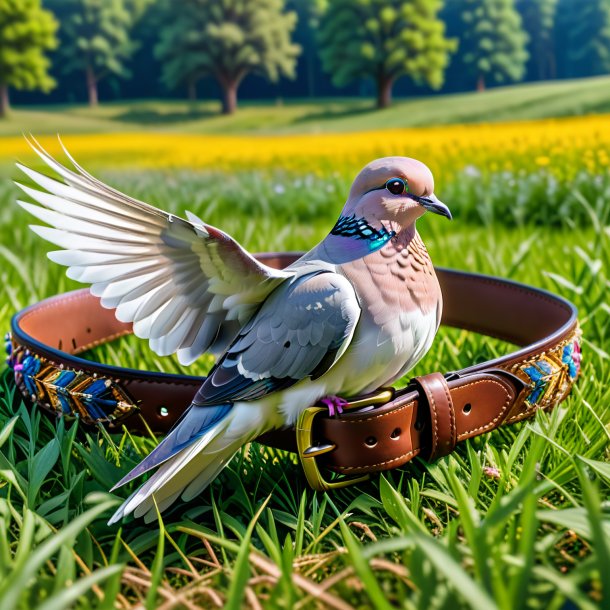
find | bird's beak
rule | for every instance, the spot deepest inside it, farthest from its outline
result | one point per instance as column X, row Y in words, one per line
column 432, row 204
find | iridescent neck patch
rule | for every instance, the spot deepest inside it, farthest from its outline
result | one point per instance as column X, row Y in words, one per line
column 359, row 228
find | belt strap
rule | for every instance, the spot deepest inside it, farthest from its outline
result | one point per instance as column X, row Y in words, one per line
column 394, row 433
column 375, row 433
column 443, row 430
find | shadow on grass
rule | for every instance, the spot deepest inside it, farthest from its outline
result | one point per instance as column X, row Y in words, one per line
column 157, row 116
column 339, row 111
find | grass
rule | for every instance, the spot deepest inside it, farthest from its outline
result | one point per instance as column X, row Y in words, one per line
column 519, row 102
column 514, row 519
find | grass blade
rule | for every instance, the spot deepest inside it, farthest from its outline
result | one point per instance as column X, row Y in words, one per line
column 470, row 591
column 241, row 569
column 64, row 599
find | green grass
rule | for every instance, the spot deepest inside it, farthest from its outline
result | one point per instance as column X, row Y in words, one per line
column 514, row 519
column 519, row 102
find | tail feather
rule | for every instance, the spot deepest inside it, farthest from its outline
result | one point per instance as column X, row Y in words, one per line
column 201, row 462
column 181, row 486
column 195, row 424
column 208, row 474
column 171, row 473
column 190, row 470
column 180, row 476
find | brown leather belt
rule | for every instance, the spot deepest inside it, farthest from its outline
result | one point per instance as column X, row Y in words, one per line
column 375, row 433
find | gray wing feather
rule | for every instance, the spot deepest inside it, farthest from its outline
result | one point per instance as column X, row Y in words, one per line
column 301, row 330
column 310, row 302
column 159, row 271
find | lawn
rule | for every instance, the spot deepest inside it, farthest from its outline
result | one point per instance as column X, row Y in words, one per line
column 514, row 519
column 519, row 102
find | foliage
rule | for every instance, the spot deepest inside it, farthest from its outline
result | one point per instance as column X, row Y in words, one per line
column 494, row 41
column 587, row 37
column 27, row 31
column 383, row 41
column 227, row 39
column 513, row 519
column 539, row 18
column 96, row 38
column 567, row 39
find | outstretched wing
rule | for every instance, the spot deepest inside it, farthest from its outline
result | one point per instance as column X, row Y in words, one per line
column 300, row 331
column 186, row 286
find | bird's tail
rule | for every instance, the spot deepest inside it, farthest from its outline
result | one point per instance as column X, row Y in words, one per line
column 187, row 471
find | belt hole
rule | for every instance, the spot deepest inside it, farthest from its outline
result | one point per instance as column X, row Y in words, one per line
column 467, row 408
column 163, row 411
column 371, row 441
column 395, row 433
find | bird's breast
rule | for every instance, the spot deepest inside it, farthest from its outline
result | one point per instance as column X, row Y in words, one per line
column 395, row 281
column 401, row 305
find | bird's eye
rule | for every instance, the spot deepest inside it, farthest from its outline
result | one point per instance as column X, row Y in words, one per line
column 397, row 186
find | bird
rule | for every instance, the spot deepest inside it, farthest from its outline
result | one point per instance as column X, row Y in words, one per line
column 353, row 314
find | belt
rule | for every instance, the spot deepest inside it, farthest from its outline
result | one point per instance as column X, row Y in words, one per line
column 376, row 432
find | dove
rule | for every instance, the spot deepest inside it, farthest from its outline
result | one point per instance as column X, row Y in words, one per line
column 355, row 313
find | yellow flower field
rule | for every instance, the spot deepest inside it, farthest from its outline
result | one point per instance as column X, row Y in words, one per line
column 562, row 145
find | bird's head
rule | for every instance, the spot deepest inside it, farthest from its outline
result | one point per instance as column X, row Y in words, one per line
column 394, row 191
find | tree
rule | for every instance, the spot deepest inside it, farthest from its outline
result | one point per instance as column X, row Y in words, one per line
column 538, row 18
column 494, row 41
column 26, row 32
column 309, row 13
column 96, row 39
column 384, row 40
column 227, row 39
column 585, row 36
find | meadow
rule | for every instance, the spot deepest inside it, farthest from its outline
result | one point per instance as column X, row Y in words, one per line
column 525, row 101
column 517, row 518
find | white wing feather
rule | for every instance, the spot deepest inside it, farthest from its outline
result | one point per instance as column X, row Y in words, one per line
column 180, row 282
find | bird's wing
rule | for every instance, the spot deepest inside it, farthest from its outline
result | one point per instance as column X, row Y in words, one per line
column 300, row 331
column 186, row 286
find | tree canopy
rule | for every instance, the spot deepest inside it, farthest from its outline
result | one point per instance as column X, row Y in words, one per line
column 494, row 41
column 363, row 42
column 96, row 38
column 384, row 40
column 538, row 18
column 587, row 40
column 227, row 39
column 26, row 32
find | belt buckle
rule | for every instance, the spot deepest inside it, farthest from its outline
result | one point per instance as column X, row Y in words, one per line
column 309, row 451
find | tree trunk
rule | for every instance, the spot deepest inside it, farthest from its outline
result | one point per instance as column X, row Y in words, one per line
column 192, row 89
column 481, row 83
column 229, row 96
column 552, row 65
column 91, row 87
column 311, row 77
column 384, row 91
column 542, row 63
column 5, row 104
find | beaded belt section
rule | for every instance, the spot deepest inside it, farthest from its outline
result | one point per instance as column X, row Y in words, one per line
column 94, row 399
column 67, row 392
column 550, row 376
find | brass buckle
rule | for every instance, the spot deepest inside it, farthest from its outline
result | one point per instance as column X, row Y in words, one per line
column 309, row 451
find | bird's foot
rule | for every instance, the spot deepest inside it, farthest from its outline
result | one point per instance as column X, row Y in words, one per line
column 334, row 404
